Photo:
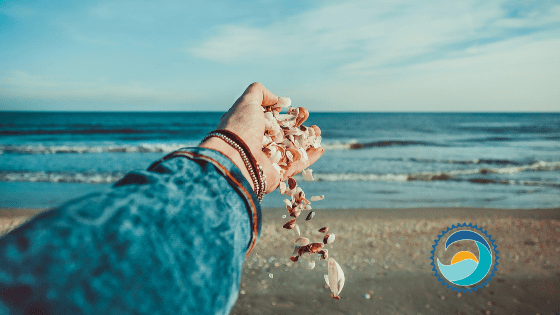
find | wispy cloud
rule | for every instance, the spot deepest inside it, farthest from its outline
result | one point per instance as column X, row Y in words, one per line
column 359, row 37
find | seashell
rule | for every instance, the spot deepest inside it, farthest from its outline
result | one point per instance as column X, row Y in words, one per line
column 316, row 131
column 301, row 194
column 279, row 137
column 294, row 132
column 292, row 183
column 302, row 116
column 297, row 229
column 266, row 140
column 290, row 224
column 282, row 188
column 296, row 155
column 288, row 202
column 303, row 240
column 292, row 111
column 307, row 174
column 311, row 131
column 315, row 247
column 284, row 102
column 323, row 229
column 294, row 259
column 275, row 156
column 307, row 207
column 310, row 216
column 317, row 142
column 335, row 278
column 286, row 117
column 290, row 156
column 317, row 198
column 295, row 212
column 311, row 265
column 269, row 120
column 328, row 239
column 277, row 168
column 303, row 153
column 324, row 253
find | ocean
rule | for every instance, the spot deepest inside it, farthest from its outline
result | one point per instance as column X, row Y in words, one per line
column 371, row 160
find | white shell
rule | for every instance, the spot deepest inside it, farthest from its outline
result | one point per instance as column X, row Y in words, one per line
column 311, row 265
column 302, row 240
column 316, row 198
column 307, row 174
column 285, row 117
column 297, row 230
column 330, row 239
column 288, row 202
column 277, row 168
column 282, row 188
column 284, row 102
column 336, row 277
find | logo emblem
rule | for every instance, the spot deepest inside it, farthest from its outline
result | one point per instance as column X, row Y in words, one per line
column 466, row 271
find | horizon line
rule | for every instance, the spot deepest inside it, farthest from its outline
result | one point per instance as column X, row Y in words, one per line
column 321, row 112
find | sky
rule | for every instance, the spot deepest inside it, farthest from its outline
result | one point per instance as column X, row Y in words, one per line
column 375, row 56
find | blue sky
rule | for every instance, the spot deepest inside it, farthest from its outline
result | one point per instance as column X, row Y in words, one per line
column 326, row 55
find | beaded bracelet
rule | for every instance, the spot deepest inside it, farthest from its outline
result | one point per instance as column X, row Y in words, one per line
column 253, row 167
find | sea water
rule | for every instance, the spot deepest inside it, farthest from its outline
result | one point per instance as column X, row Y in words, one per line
column 371, row 160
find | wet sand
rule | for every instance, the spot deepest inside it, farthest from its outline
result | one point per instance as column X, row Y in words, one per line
column 385, row 255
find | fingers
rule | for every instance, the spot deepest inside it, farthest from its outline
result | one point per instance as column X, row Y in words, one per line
column 257, row 93
column 313, row 154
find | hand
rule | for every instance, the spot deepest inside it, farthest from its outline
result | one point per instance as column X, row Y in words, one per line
column 246, row 119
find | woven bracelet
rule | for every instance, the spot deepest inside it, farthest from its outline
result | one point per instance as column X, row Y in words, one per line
column 253, row 167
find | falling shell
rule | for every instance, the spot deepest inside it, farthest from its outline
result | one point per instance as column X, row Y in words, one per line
column 290, row 224
column 310, row 216
column 311, row 265
column 328, row 239
column 307, row 174
column 323, row 229
column 335, row 278
column 297, row 230
column 302, row 240
column 317, row 198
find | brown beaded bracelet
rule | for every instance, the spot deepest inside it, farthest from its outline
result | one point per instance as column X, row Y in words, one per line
column 253, row 167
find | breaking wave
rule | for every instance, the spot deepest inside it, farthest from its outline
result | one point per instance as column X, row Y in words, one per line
column 80, row 149
column 472, row 175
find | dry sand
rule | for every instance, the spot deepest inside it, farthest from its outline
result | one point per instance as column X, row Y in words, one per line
column 385, row 255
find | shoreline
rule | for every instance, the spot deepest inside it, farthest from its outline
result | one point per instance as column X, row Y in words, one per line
column 385, row 255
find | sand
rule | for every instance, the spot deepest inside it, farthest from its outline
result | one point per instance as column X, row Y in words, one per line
column 385, row 255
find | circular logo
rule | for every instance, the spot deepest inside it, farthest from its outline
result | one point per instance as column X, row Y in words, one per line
column 466, row 271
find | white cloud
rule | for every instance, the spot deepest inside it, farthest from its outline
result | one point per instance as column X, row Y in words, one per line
column 364, row 36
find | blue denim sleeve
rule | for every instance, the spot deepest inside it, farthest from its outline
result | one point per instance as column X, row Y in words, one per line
column 169, row 240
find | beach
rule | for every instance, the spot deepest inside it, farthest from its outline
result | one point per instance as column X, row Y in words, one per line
column 385, row 255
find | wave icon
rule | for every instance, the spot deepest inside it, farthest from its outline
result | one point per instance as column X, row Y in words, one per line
column 466, row 269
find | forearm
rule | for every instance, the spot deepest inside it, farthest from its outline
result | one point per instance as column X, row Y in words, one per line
column 170, row 240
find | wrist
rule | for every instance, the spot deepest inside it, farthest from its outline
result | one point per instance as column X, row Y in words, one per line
column 223, row 147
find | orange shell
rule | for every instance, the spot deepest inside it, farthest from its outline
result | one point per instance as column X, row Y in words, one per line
column 295, row 153
column 290, row 224
column 303, row 114
column 292, row 183
column 317, row 130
